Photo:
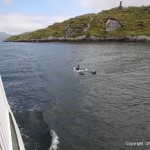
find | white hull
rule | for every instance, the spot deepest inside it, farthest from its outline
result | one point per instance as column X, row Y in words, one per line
column 10, row 137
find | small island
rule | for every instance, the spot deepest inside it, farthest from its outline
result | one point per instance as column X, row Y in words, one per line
column 116, row 24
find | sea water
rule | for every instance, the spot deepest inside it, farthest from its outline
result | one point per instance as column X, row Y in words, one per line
column 56, row 107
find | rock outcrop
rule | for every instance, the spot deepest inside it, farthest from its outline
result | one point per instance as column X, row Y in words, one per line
column 69, row 31
column 113, row 24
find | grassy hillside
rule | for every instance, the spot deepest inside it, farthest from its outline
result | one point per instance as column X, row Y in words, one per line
column 133, row 21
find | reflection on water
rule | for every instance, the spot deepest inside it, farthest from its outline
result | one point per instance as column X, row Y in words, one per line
column 89, row 112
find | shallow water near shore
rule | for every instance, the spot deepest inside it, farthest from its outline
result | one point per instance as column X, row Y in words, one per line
column 90, row 112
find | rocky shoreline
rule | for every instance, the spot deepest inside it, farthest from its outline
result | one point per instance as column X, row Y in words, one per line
column 84, row 38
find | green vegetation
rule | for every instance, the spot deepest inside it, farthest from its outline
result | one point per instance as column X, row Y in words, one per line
column 134, row 21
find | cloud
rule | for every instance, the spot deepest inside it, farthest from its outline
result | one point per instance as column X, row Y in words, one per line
column 7, row 1
column 98, row 5
column 17, row 23
column 93, row 4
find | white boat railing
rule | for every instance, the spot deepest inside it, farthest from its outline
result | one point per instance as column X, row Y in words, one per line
column 10, row 137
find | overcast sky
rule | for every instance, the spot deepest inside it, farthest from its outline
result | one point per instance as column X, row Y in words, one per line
column 18, row 16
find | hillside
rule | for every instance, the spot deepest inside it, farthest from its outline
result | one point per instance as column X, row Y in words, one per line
column 129, row 24
column 4, row 36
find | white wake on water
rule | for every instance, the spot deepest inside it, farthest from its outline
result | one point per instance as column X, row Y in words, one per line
column 55, row 141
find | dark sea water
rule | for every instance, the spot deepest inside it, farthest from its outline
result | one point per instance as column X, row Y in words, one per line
column 90, row 112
